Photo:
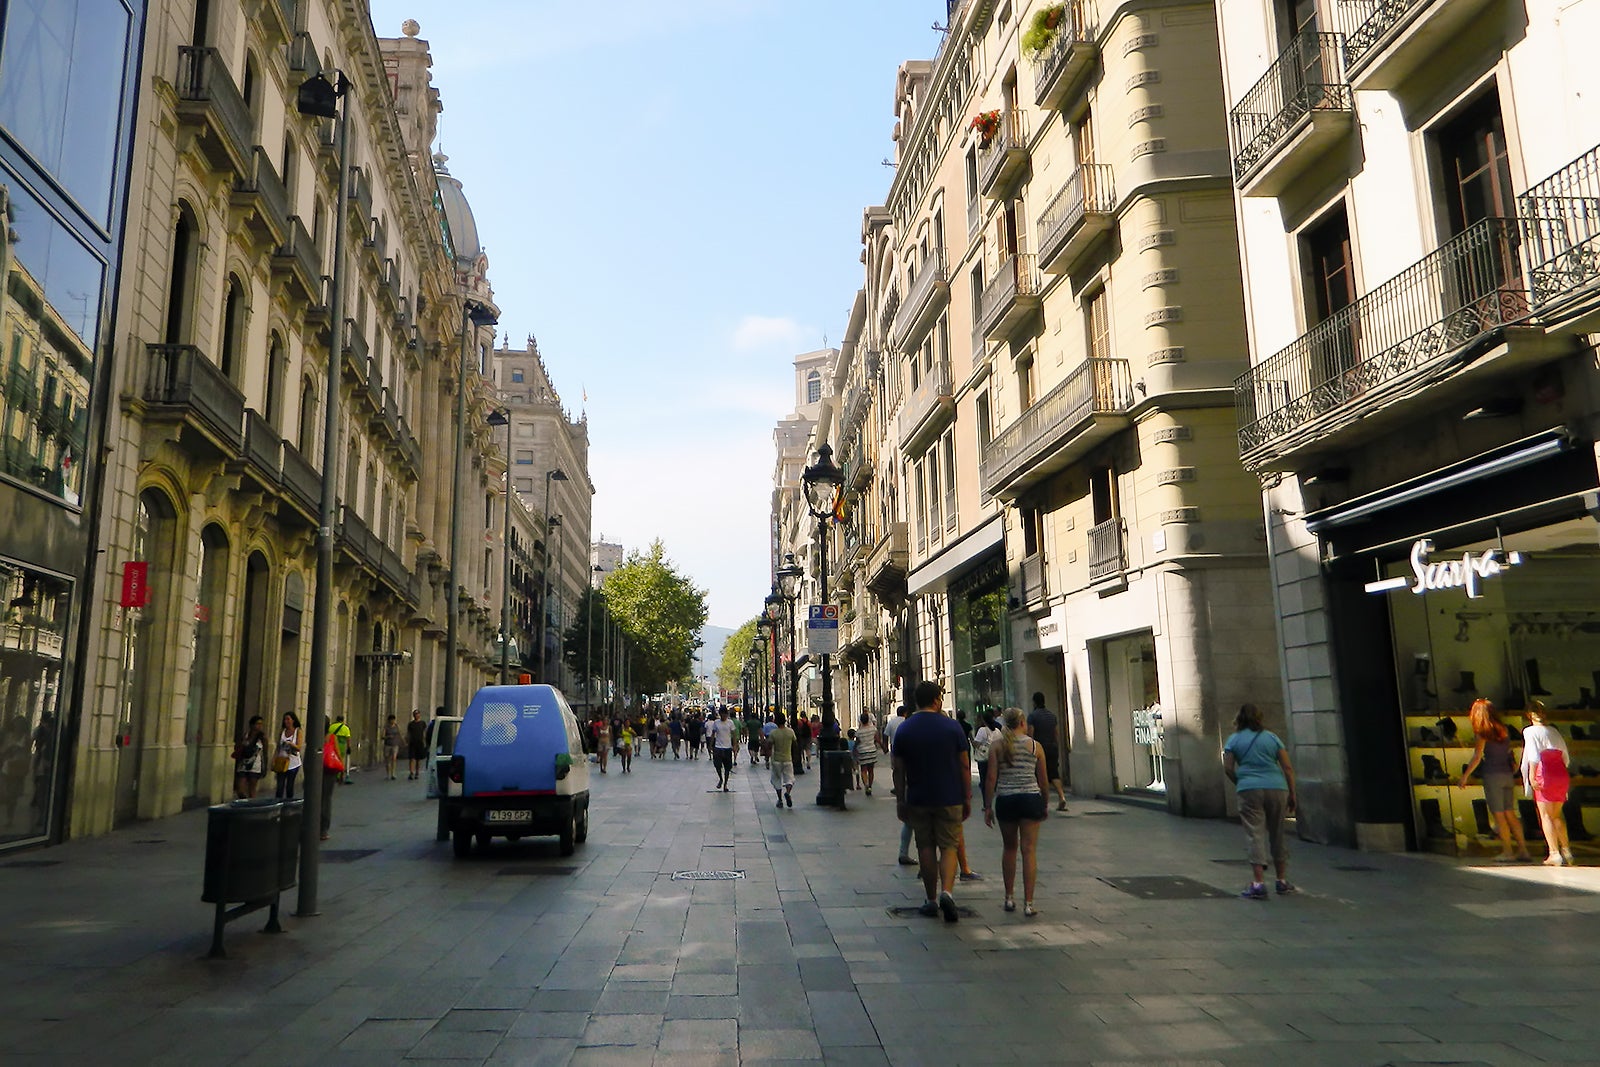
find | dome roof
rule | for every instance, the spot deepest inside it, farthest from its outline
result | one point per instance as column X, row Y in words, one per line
column 457, row 212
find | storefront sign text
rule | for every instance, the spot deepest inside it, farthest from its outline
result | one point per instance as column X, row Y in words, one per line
column 1468, row 573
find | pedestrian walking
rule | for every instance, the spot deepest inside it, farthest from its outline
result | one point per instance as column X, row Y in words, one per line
column 1545, row 776
column 1015, row 788
column 333, row 768
column 867, row 750
column 416, row 743
column 1042, row 724
column 722, row 741
column 286, row 757
column 675, row 733
column 691, row 734
column 250, row 759
column 1492, row 759
column 780, row 754
column 340, row 732
column 625, row 749
column 933, row 794
column 602, row 740
column 1257, row 762
column 391, row 746
column 802, row 733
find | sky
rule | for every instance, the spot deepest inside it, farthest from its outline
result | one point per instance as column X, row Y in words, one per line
column 670, row 196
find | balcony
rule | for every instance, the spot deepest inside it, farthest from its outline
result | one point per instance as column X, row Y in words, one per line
column 357, row 539
column 1079, row 215
column 1386, row 41
column 184, row 387
column 1561, row 223
column 210, row 106
column 376, row 244
column 887, row 565
column 1108, row 550
column 360, row 195
column 319, row 313
column 1011, row 298
column 373, row 393
column 297, row 259
column 261, row 196
column 927, row 407
column 355, row 352
column 279, row 17
column 1003, row 158
column 262, row 458
column 303, row 55
column 1031, row 588
column 891, row 308
column 20, row 387
column 1059, row 69
column 1387, row 351
column 410, row 451
column 1300, row 109
column 926, row 296
column 1089, row 406
column 386, row 416
column 303, row 482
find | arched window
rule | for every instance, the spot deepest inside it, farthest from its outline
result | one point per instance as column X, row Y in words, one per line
column 275, row 373
column 180, row 279
column 307, row 438
column 200, row 28
column 286, row 166
column 318, row 224
column 251, row 90
column 352, row 473
column 231, row 357
column 813, row 388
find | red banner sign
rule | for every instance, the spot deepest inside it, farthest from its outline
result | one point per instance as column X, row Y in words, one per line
column 135, row 584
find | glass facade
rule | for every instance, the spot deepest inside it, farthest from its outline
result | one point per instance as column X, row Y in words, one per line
column 67, row 70
column 980, row 634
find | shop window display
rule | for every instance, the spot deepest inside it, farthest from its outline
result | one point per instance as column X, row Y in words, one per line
column 1530, row 632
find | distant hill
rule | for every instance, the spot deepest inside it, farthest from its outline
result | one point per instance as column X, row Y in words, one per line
column 709, row 656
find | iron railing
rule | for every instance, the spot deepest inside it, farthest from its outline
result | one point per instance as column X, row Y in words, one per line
column 931, row 275
column 1307, row 77
column 1108, row 549
column 1071, row 33
column 1100, row 386
column 1561, row 224
column 1016, row 277
column 1420, row 318
column 299, row 252
column 1367, row 23
column 263, row 448
column 1009, row 142
column 1088, row 191
column 1033, row 589
column 303, row 54
column 886, row 314
column 361, row 199
column 931, row 391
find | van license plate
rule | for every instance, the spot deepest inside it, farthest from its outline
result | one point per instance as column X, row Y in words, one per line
column 508, row 816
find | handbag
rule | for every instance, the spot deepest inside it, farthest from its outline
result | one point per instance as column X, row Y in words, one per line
column 280, row 764
column 330, row 755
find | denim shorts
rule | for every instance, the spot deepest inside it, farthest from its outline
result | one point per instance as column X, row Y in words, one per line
column 1016, row 807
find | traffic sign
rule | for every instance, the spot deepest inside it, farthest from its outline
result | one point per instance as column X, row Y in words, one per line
column 822, row 629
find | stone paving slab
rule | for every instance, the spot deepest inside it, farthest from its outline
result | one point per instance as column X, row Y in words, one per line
column 526, row 957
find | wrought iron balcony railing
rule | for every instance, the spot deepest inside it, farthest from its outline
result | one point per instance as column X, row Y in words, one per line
column 931, row 395
column 1072, row 52
column 1083, row 210
column 1032, row 587
column 1013, row 293
column 1001, row 158
column 1307, row 78
column 1090, row 403
column 1561, row 223
column 927, row 293
column 891, row 307
column 1425, row 316
column 1108, row 549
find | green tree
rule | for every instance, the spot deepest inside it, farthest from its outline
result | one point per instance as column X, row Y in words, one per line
column 661, row 613
column 734, row 653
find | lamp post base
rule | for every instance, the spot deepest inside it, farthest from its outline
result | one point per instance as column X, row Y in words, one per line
column 833, row 757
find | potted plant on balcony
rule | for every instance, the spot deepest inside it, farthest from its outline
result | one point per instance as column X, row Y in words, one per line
column 1042, row 30
column 987, row 123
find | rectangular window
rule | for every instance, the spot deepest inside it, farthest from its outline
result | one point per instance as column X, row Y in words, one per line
column 1103, row 494
column 1032, row 525
column 1475, row 161
column 950, row 481
column 922, row 507
column 1097, row 317
column 935, row 512
column 516, row 375
column 525, row 457
column 985, row 423
column 1024, row 383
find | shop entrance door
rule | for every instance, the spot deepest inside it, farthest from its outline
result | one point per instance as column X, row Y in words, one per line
column 1133, row 720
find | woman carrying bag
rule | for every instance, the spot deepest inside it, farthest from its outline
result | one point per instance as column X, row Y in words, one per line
column 332, row 768
column 286, row 758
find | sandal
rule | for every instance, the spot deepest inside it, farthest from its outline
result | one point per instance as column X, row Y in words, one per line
column 1029, row 910
column 1010, row 904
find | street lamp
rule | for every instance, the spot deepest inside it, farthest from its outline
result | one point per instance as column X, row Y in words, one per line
column 320, row 98
column 588, row 640
column 822, row 481
column 502, row 417
column 555, row 587
column 769, row 637
column 558, row 475
column 788, row 577
column 473, row 315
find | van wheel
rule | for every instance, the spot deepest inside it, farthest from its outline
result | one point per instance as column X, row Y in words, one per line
column 569, row 831
column 582, row 833
column 461, row 844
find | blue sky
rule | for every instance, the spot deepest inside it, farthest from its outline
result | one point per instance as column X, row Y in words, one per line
column 670, row 195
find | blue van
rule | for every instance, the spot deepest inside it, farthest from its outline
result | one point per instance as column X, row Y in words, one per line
column 520, row 769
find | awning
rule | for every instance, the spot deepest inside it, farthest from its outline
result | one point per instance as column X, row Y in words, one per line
column 935, row 574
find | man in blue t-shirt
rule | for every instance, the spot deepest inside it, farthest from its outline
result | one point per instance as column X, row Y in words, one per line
column 933, row 793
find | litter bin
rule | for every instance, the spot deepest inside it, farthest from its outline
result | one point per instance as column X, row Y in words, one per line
column 294, row 812
column 252, row 853
column 833, row 753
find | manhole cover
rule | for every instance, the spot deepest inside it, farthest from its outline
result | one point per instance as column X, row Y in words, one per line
column 910, row 911
column 19, row 864
column 346, row 855
column 706, row 876
column 529, row 872
column 1166, row 887
column 779, row 839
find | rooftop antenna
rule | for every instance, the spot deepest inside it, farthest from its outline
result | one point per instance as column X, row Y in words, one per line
column 887, row 162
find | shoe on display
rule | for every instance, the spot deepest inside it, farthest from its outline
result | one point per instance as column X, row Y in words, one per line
column 1447, row 728
column 1428, row 735
column 907, row 861
column 1255, row 891
column 947, row 904
column 930, row 909
column 1284, row 888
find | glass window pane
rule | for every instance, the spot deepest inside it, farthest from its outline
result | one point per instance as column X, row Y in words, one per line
column 61, row 76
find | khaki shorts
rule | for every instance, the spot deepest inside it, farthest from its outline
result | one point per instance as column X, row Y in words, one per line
column 935, row 827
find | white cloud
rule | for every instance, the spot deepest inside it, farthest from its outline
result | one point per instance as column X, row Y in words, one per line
column 761, row 333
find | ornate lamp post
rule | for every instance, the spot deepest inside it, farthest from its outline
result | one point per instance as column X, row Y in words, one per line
column 789, row 589
column 502, row 417
column 822, row 481
column 558, row 475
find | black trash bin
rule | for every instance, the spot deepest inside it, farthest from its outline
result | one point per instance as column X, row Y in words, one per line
column 289, row 843
column 834, row 755
column 244, row 840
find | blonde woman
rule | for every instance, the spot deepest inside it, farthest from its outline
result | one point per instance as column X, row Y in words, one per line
column 1545, row 777
column 1014, row 787
column 1493, row 756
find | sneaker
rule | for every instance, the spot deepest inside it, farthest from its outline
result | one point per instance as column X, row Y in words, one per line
column 1285, row 888
column 1566, row 857
column 1061, row 806
column 1029, row 910
column 788, row 798
column 1256, row 891
column 947, row 904
column 971, row 876
column 1010, row 905
column 780, row 801
column 907, row 861
column 929, row 909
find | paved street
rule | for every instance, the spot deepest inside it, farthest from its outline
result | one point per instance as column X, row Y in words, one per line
column 522, row 957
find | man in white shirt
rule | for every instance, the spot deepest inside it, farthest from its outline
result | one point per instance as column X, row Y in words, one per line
column 722, row 748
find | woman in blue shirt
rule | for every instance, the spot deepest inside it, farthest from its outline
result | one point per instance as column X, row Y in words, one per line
column 1255, row 759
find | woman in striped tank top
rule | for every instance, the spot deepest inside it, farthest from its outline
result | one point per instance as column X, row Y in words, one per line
column 1014, row 790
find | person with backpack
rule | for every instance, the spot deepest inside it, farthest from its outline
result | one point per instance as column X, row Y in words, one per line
column 1256, row 760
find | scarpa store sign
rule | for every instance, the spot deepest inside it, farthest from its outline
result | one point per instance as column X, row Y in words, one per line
column 1468, row 573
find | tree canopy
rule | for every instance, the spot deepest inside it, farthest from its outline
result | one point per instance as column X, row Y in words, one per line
column 734, row 654
column 660, row 612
